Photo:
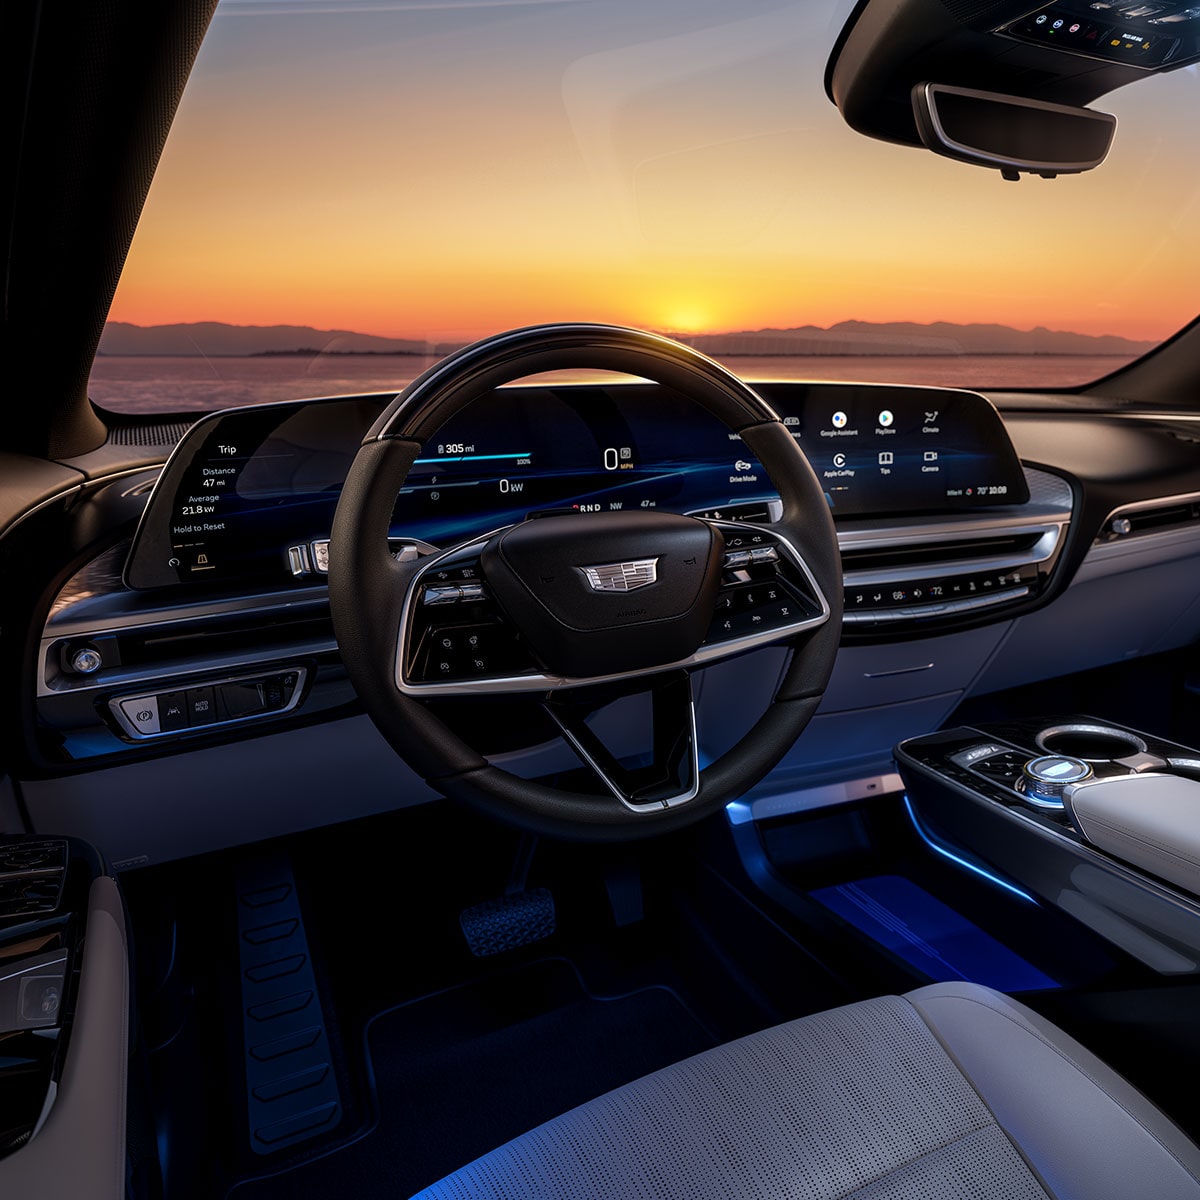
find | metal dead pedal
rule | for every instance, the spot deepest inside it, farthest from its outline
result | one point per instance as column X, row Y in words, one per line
column 291, row 1087
column 520, row 917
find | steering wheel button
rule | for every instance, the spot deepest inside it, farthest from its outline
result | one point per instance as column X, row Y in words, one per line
column 736, row 558
column 442, row 595
column 764, row 554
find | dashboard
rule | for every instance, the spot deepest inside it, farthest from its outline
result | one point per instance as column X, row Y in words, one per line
column 1038, row 547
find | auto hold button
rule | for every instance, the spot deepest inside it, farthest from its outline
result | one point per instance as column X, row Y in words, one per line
column 202, row 706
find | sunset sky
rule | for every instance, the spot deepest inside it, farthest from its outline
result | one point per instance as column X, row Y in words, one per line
column 445, row 170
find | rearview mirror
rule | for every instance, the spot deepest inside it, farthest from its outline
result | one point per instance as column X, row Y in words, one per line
column 1010, row 133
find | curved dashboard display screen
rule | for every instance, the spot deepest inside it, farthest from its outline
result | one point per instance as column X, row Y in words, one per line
column 246, row 491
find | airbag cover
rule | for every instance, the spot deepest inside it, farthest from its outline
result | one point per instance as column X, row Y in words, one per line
column 647, row 601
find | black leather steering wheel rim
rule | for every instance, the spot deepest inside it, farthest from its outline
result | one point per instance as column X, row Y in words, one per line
column 367, row 586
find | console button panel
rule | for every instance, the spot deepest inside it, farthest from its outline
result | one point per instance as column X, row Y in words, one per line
column 211, row 703
column 867, row 606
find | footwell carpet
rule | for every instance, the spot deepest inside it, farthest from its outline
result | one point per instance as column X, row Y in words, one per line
column 458, row 1073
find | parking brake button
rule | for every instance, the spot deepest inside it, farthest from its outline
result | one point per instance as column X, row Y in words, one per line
column 142, row 713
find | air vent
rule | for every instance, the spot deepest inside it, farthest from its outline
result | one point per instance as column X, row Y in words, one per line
column 898, row 557
column 174, row 644
column 1158, row 518
column 150, row 436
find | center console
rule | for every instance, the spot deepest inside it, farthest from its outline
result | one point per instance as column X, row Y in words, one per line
column 1097, row 819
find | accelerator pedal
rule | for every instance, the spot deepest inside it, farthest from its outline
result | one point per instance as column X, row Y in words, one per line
column 519, row 918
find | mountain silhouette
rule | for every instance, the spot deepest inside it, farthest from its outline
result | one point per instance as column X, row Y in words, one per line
column 850, row 338
column 219, row 340
column 860, row 338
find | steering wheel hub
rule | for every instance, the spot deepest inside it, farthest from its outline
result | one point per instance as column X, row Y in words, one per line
column 611, row 592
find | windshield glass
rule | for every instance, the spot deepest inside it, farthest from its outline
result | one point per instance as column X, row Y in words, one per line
column 351, row 189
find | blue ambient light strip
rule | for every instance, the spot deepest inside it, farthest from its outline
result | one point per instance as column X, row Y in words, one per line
column 934, row 939
column 958, row 860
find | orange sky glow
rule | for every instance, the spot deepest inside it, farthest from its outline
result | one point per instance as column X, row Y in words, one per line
column 439, row 173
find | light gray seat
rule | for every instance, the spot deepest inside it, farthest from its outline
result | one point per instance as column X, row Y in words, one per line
column 953, row 1092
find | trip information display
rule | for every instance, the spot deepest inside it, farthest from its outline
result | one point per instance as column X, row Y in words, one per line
column 245, row 486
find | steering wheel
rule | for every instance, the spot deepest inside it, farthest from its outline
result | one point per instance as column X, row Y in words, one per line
column 576, row 609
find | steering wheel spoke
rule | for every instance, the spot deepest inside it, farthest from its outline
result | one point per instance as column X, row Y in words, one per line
column 669, row 775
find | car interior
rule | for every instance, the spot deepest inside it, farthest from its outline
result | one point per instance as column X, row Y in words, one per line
column 600, row 599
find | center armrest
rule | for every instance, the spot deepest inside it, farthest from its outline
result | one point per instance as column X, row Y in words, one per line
column 1151, row 820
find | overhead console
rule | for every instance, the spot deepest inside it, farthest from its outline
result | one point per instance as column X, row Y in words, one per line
column 1054, row 59
column 1145, row 35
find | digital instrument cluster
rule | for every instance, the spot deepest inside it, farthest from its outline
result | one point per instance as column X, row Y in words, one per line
column 248, row 496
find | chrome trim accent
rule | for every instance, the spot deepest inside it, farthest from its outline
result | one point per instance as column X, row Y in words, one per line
column 115, row 703
column 173, row 678
column 1048, row 793
column 762, row 808
column 302, row 600
column 64, row 624
column 1036, row 801
column 299, row 560
column 451, row 594
column 1041, row 551
column 898, row 671
column 651, row 805
column 621, row 576
column 1137, row 745
column 536, row 681
column 1138, row 506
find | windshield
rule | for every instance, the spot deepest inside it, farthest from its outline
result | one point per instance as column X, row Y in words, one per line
column 352, row 189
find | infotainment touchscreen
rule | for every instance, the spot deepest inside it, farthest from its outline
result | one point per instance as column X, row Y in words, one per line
column 245, row 487
column 879, row 449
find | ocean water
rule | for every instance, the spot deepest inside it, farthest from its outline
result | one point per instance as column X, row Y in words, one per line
column 149, row 384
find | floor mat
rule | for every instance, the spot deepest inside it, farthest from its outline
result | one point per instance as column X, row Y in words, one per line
column 929, row 935
column 461, row 1072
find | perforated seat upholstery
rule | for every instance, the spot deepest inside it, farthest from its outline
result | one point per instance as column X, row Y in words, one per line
column 953, row 1092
